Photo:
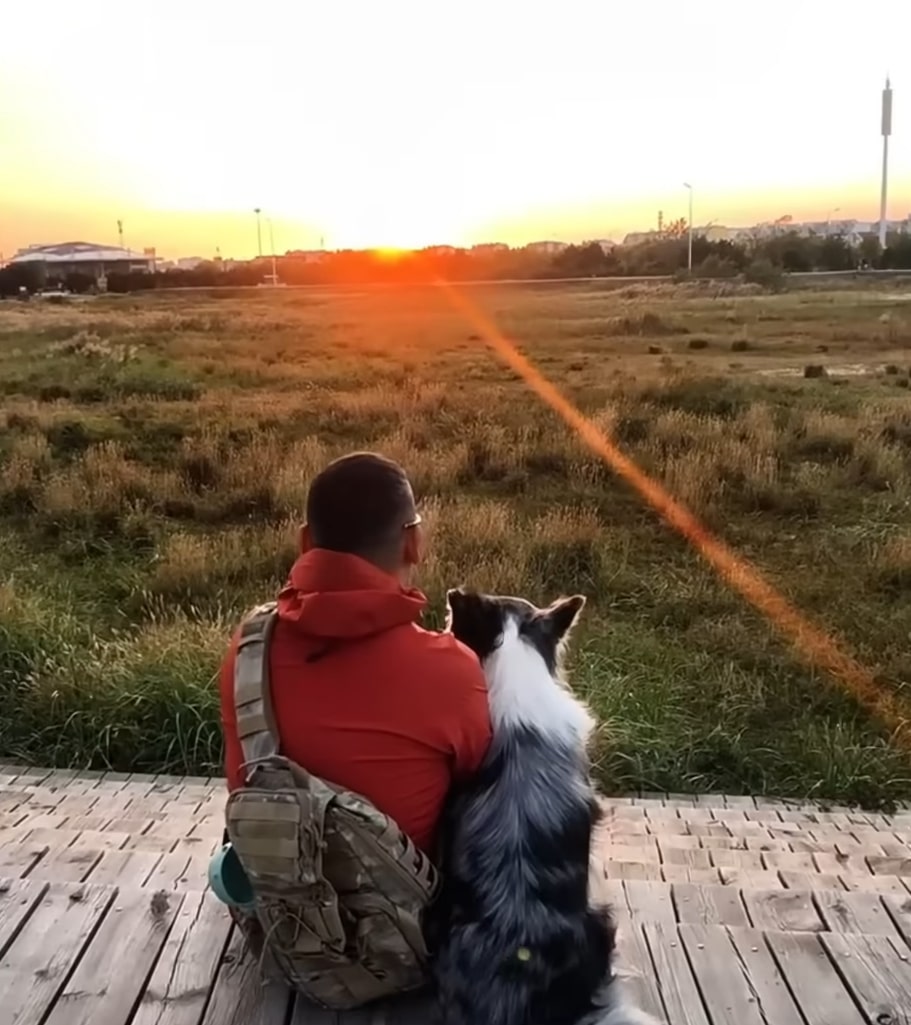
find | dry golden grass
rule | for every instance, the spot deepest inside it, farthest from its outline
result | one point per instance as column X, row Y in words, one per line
column 156, row 455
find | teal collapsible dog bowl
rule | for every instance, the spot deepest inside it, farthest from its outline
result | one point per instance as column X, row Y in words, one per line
column 229, row 881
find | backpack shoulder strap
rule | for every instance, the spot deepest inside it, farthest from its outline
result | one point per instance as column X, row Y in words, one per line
column 256, row 727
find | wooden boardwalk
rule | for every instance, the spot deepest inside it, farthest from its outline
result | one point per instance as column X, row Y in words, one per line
column 733, row 911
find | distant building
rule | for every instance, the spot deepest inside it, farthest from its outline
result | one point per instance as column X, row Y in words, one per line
column 546, row 248
column 55, row 262
column 486, row 248
column 636, row 238
column 307, row 255
column 717, row 233
column 189, row 262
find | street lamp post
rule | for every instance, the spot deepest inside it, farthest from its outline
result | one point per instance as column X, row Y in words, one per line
column 259, row 236
column 272, row 250
column 689, row 252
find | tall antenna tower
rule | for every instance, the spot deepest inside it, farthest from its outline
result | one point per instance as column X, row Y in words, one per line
column 886, row 132
column 660, row 221
column 120, row 232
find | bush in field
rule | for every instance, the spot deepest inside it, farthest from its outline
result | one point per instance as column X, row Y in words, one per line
column 764, row 273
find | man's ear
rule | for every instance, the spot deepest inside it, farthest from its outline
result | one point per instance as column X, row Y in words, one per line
column 304, row 540
column 413, row 548
column 562, row 615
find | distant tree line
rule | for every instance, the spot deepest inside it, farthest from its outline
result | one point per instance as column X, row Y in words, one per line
column 764, row 260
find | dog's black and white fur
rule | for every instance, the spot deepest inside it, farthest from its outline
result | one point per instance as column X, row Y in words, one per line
column 515, row 939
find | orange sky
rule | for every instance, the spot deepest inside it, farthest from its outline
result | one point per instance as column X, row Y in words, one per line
column 403, row 123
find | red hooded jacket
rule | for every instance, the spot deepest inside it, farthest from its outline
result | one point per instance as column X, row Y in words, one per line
column 363, row 696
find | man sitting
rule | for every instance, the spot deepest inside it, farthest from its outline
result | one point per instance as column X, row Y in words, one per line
column 363, row 696
column 329, row 696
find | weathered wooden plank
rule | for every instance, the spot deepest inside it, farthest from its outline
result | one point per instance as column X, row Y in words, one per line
column 11, row 800
column 124, row 868
column 720, row 842
column 748, row 861
column 691, row 857
column 632, row 870
column 635, row 967
column 158, row 844
column 813, row 979
column 183, row 868
column 174, row 827
column 67, row 865
column 721, row 978
column 132, row 826
column 685, row 874
column 666, row 825
column 682, row 1002
column 787, row 910
column 793, row 861
column 884, row 865
column 838, row 864
column 18, row 899
column 764, row 980
column 76, row 804
column 179, row 987
column 710, row 830
column 899, row 909
column 752, row 880
column 811, row 880
column 239, row 995
column 100, row 991
column 87, row 823
column 854, row 911
column 634, row 834
column 101, row 840
column 748, row 829
column 709, row 905
column 18, row 859
column 649, row 901
column 875, row 971
column 679, row 840
column 694, row 815
column 41, row 956
column 875, row 884
column 39, row 821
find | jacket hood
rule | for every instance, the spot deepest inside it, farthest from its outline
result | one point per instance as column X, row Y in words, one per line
column 337, row 596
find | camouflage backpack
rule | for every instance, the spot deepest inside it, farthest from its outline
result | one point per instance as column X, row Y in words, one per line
column 339, row 890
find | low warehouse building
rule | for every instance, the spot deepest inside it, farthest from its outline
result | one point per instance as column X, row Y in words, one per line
column 53, row 263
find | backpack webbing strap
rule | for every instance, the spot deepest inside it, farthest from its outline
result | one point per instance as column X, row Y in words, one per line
column 256, row 727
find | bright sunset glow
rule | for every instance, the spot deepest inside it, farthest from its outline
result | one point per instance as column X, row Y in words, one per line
column 399, row 123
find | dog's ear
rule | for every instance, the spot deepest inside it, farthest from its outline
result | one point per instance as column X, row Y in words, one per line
column 562, row 615
column 458, row 608
column 474, row 620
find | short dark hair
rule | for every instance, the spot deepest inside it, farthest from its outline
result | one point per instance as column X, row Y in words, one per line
column 359, row 504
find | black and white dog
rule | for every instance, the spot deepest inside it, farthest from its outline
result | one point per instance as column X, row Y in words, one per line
column 514, row 936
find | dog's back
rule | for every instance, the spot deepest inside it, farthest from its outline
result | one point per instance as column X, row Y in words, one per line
column 517, row 942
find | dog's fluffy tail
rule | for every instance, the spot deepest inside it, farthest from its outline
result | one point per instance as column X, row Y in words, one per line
column 615, row 1008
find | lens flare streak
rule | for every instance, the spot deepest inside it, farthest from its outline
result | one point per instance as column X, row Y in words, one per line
column 811, row 642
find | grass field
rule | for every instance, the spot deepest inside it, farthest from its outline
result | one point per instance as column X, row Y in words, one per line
column 155, row 455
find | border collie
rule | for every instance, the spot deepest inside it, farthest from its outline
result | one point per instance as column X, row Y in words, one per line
column 515, row 939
